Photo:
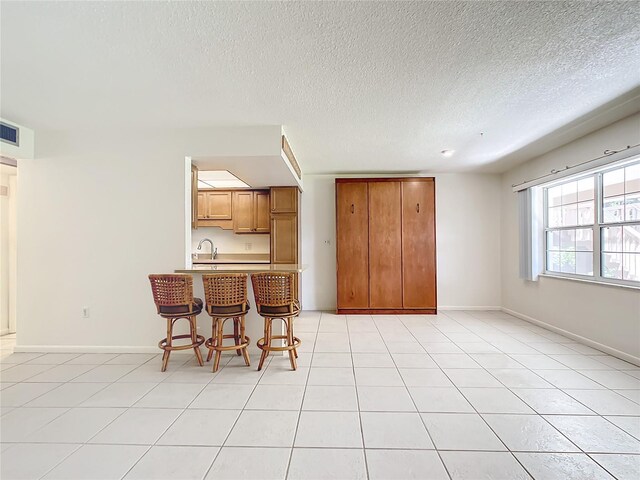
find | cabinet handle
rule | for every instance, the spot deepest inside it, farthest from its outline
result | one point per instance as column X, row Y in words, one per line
column 352, row 208
column 418, row 207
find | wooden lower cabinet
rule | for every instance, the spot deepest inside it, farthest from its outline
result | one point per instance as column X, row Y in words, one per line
column 386, row 258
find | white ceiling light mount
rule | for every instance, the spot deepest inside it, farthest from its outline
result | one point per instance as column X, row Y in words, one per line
column 447, row 153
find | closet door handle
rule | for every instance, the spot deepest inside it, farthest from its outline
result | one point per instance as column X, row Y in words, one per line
column 352, row 208
column 418, row 207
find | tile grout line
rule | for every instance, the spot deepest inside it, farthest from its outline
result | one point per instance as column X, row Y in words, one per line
column 444, row 465
column 237, row 418
column 463, row 325
column 581, row 451
column 479, row 415
column 155, row 443
column 304, row 393
column 355, row 384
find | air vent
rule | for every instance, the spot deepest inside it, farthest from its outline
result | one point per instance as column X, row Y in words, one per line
column 10, row 134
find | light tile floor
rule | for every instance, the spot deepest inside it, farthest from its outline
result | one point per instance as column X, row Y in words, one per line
column 460, row 395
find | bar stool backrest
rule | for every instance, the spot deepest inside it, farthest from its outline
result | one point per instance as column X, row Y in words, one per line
column 172, row 290
column 225, row 289
column 273, row 290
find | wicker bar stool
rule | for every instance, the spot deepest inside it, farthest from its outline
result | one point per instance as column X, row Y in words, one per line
column 173, row 296
column 226, row 297
column 275, row 300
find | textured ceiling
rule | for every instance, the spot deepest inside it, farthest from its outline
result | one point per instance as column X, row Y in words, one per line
column 358, row 86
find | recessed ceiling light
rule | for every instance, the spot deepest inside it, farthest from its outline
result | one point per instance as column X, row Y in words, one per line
column 447, row 153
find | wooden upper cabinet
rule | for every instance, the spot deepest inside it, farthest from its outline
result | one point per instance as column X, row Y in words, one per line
column 385, row 245
column 284, row 238
column 219, row 205
column 202, row 206
column 243, row 212
column 214, row 205
column 251, row 211
column 284, row 224
column 418, row 244
column 352, row 245
column 284, row 200
column 262, row 221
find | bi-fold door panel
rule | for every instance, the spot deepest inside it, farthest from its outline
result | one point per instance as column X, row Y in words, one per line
column 418, row 244
column 385, row 245
column 352, row 218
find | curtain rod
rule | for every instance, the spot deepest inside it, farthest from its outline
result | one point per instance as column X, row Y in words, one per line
column 606, row 153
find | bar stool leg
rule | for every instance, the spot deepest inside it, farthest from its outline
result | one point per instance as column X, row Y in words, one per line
column 243, row 340
column 236, row 333
column 213, row 338
column 292, row 357
column 267, row 342
column 165, row 355
column 219, row 337
column 194, row 339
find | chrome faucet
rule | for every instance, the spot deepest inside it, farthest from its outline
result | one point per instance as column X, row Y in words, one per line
column 214, row 251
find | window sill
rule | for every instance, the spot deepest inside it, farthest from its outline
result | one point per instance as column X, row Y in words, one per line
column 593, row 282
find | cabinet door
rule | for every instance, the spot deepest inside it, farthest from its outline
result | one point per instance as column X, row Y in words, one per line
column 243, row 212
column 385, row 245
column 284, row 238
column 352, row 245
column 202, row 206
column 418, row 244
column 284, row 200
column 219, row 205
column 261, row 217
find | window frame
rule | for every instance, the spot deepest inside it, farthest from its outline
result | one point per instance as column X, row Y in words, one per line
column 597, row 226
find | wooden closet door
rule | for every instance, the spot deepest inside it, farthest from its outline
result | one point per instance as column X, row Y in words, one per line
column 385, row 245
column 419, row 244
column 352, row 221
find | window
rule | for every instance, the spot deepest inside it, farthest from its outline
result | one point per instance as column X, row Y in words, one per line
column 592, row 226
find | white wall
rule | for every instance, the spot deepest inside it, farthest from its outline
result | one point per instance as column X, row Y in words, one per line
column 25, row 146
column 228, row 242
column 7, row 248
column 603, row 314
column 467, row 236
column 97, row 212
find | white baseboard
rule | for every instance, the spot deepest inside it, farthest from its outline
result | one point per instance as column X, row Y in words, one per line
column 445, row 307
column 474, row 308
column 84, row 349
column 5, row 331
column 103, row 349
column 587, row 341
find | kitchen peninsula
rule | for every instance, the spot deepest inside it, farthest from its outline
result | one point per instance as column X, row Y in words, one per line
column 254, row 323
column 242, row 230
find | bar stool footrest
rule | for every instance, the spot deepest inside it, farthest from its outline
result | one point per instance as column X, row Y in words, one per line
column 286, row 348
column 211, row 346
column 163, row 343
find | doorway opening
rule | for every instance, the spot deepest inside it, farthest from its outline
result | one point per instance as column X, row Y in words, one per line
column 8, row 250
